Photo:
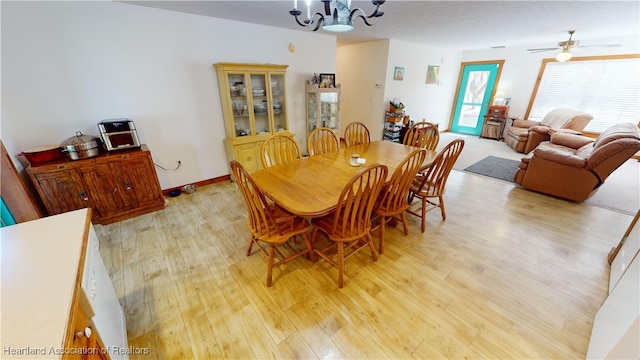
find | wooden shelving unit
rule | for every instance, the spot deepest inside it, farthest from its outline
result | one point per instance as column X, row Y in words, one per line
column 494, row 122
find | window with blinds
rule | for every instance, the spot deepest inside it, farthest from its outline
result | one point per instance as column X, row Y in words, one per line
column 607, row 88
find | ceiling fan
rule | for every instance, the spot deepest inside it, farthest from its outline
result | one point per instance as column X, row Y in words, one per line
column 566, row 46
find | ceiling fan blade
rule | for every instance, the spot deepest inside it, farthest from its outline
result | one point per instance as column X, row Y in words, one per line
column 600, row 45
column 542, row 49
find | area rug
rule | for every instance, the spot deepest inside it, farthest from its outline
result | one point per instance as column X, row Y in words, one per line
column 495, row 167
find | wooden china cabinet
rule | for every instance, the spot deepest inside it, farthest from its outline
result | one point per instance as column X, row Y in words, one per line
column 116, row 186
column 254, row 107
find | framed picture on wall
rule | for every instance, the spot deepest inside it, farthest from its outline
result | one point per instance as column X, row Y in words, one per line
column 398, row 73
column 433, row 74
column 327, row 80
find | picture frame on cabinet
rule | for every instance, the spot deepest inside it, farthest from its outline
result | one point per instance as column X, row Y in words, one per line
column 327, row 80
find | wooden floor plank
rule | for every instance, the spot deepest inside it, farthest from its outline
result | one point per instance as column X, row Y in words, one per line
column 509, row 274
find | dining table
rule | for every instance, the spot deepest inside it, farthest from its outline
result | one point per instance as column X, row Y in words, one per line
column 311, row 186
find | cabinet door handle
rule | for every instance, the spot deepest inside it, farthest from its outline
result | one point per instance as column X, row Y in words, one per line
column 61, row 167
column 86, row 333
column 83, row 195
column 127, row 184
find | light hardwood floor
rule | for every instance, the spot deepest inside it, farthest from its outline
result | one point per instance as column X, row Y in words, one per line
column 509, row 274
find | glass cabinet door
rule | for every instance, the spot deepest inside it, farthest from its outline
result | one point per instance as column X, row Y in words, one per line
column 312, row 105
column 239, row 104
column 278, row 102
column 329, row 110
column 260, row 103
column 323, row 107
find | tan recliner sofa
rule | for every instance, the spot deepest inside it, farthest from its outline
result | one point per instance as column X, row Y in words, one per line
column 524, row 135
column 572, row 166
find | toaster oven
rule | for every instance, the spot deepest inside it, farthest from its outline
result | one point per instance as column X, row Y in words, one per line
column 119, row 134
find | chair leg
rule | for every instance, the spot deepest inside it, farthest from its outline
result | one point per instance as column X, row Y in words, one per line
column 382, row 225
column 314, row 235
column 270, row 264
column 371, row 247
column 250, row 246
column 307, row 242
column 340, row 264
column 424, row 212
column 444, row 214
column 404, row 223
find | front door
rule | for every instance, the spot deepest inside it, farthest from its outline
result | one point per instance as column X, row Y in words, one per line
column 475, row 89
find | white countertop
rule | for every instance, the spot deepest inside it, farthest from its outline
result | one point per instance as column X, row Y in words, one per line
column 40, row 261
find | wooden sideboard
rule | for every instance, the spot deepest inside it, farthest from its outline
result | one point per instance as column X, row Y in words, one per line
column 116, row 186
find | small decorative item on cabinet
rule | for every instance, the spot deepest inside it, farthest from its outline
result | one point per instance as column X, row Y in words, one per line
column 327, row 80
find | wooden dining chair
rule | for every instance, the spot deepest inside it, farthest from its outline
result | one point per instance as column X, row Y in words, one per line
column 430, row 183
column 348, row 227
column 270, row 224
column 392, row 201
column 356, row 133
column 322, row 140
column 422, row 134
column 279, row 149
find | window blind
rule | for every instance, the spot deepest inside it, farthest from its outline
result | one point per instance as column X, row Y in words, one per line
column 608, row 89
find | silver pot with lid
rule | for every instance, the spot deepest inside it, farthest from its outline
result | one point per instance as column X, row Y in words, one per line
column 81, row 146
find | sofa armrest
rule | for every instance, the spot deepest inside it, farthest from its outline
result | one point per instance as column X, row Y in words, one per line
column 541, row 129
column 525, row 123
column 566, row 131
column 559, row 154
column 534, row 139
column 570, row 140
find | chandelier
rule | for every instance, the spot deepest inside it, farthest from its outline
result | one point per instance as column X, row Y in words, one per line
column 338, row 20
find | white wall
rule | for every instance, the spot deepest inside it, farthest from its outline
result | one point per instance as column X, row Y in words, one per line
column 521, row 67
column 359, row 68
column 68, row 65
column 431, row 102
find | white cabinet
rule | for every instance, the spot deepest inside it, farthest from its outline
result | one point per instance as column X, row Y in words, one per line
column 626, row 253
column 56, row 292
column 616, row 327
column 323, row 108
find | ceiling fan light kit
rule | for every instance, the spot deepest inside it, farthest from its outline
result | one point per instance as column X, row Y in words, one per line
column 338, row 20
column 566, row 47
column 565, row 55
